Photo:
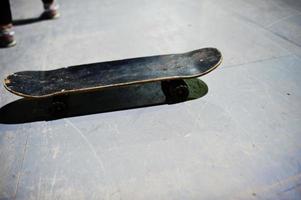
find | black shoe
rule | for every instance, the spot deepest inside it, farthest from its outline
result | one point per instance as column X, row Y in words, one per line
column 50, row 11
column 7, row 38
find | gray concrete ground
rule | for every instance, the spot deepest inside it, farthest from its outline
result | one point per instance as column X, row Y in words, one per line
column 240, row 141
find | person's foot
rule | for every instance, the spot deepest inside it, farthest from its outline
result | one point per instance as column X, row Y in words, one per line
column 7, row 38
column 50, row 11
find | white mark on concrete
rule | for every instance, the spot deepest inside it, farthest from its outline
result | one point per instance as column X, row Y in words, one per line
column 56, row 150
column 187, row 135
column 89, row 145
column 116, row 131
column 53, row 182
column 280, row 20
column 20, row 172
column 39, row 187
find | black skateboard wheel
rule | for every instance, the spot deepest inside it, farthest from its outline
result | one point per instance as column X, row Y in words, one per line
column 59, row 105
column 58, row 108
column 175, row 90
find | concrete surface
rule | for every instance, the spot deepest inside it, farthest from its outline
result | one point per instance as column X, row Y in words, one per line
column 240, row 141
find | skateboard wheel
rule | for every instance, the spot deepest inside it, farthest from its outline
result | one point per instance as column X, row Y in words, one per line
column 175, row 90
column 58, row 108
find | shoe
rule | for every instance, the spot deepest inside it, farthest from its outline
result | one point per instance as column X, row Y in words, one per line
column 7, row 38
column 50, row 11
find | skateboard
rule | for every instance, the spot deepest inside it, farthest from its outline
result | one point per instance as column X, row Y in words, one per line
column 170, row 70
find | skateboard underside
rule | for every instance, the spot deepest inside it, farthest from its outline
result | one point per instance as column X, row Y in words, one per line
column 113, row 73
column 79, row 104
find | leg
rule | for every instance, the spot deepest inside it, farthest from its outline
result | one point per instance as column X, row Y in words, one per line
column 6, row 33
column 48, row 1
column 50, row 9
column 5, row 13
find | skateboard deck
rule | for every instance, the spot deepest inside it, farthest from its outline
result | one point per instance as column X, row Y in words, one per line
column 96, row 76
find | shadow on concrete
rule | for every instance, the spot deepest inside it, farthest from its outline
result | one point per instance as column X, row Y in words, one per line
column 79, row 104
column 21, row 22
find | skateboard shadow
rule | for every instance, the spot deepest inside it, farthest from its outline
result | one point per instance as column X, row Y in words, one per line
column 21, row 22
column 78, row 104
